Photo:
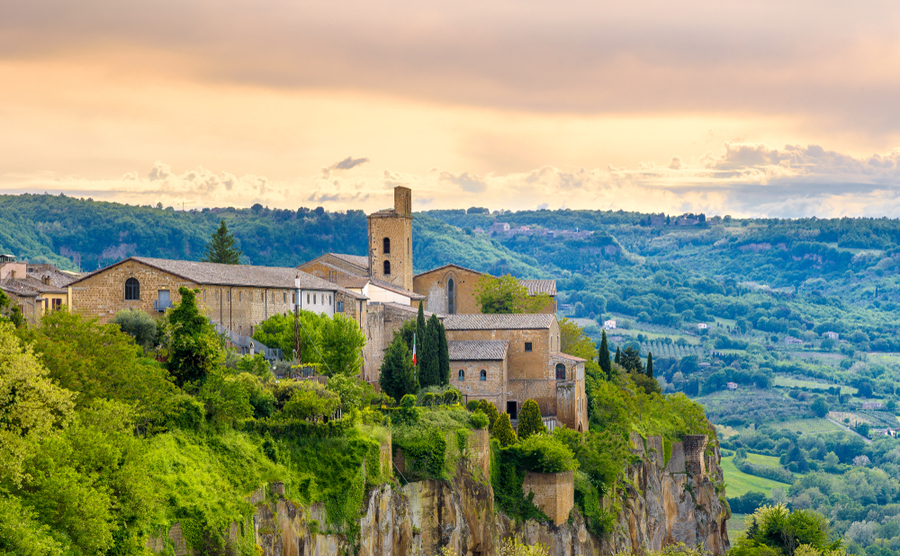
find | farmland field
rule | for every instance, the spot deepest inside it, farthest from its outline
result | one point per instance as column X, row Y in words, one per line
column 738, row 483
column 808, row 426
column 791, row 382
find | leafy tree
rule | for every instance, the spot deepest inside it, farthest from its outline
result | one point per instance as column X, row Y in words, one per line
column 784, row 531
column 311, row 401
column 530, row 422
column 649, row 365
column 10, row 312
column 342, row 345
column 820, row 406
column 574, row 341
column 193, row 345
column 603, row 359
column 226, row 398
column 503, row 431
column 507, row 295
column 221, row 247
column 398, row 375
column 137, row 324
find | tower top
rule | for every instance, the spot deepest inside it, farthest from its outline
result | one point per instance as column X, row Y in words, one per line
column 403, row 200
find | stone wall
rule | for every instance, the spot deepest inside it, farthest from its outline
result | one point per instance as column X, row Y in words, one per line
column 695, row 454
column 396, row 226
column 521, row 364
column 554, row 493
column 480, row 451
column 433, row 285
column 473, row 388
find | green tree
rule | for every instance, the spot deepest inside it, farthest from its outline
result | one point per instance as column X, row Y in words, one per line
column 10, row 312
column 819, row 406
column 398, row 375
column 785, row 531
column 443, row 355
column 649, row 364
column 530, row 422
column 342, row 345
column 419, row 338
column 490, row 410
column 429, row 362
column 137, row 324
column 193, row 345
column 503, row 431
column 631, row 360
column 507, row 295
column 222, row 248
column 603, row 359
column 618, row 359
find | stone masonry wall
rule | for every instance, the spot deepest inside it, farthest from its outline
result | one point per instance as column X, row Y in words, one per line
column 473, row 388
column 521, row 364
column 399, row 230
column 554, row 493
column 433, row 285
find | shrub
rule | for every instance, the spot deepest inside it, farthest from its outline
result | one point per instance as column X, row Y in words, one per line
column 504, row 432
column 137, row 324
column 530, row 422
column 480, row 420
column 545, row 454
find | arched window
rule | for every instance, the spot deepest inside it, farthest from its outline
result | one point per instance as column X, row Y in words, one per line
column 451, row 296
column 560, row 371
column 387, row 268
column 483, row 374
column 387, row 245
column 462, row 375
column 132, row 290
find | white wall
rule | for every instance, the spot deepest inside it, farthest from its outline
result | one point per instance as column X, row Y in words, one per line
column 381, row 295
column 317, row 301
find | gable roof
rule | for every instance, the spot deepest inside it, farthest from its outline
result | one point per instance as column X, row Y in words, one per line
column 562, row 355
column 449, row 266
column 499, row 322
column 358, row 260
column 477, row 350
column 396, row 289
column 536, row 287
column 230, row 275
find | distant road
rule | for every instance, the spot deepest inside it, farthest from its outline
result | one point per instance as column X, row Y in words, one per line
column 848, row 429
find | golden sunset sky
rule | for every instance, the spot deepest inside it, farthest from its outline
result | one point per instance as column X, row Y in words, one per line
column 757, row 108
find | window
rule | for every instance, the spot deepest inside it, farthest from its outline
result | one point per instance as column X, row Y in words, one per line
column 451, row 296
column 284, row 297
column 132, row 290
column 329, row 299
column 294, row 297
column 560, row 371
column 240, row 296
column 461, row 376
column 483, row 374
column 229, row 296
column 387, row 268
column 204, row 295
column 387, row 245
column 217, row 295
column 307, row 298
column 527, row 346
column 340, row 307
column 314, row 299
column 57, row 304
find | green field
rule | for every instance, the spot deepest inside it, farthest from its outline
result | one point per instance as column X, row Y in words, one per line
column 808, row 426
column 738, row 483
column 765, row 461
column 791, row 382
column 735, row 526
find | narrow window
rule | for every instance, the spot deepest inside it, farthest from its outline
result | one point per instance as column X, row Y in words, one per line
column 483, row 374
column 387, row 245
column 294, row 297
column 284, row 297
column 340, row 307
column 307, row 298
column 217, row 295
column 329, row 299
column 560, row 371
column 387, row 268
column 204, row 295
column 240, row 296
column 229, row 296
column 451, row 296
column 461, row 376
column 132, row 290
column 314, row 299
column 527, row 346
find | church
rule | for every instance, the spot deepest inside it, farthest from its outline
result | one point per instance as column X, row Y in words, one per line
column 505, row 359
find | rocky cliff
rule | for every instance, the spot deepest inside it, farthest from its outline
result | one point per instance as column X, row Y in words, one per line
column 672, row 495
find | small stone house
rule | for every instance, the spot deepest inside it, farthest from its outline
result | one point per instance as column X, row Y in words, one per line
column 478, row 369
column 35, row 288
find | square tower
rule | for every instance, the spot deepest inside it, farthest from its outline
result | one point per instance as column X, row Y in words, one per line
column 390, row 242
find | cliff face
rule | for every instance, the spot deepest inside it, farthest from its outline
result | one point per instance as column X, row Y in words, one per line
column 671, row 496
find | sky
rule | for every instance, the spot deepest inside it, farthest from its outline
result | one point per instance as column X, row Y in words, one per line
column 764, row 108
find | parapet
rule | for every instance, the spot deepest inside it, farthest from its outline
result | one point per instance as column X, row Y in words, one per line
column 695, row 454
column 554, row 493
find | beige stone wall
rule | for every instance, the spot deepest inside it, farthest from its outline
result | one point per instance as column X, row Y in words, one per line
column 373, row 353
column 433, row 285
column 238, row 308
column 102, row 295
column 397, row 228
column 473, row 388
column 521, row 364
column 554, row 493
column 480, row 451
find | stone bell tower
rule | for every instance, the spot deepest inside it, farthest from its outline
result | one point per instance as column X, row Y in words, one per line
column 390, row 242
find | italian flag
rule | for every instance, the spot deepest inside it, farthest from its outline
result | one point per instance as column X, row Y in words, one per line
column 414, row 350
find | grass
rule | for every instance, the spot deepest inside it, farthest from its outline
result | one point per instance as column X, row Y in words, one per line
column 736, row 526
column 808, row 426
column 765, row 461
column 791, row 382
column 855, row 419
column 739, row 483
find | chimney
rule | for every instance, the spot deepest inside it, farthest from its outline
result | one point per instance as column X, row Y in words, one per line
column 12, row 274
column 46, row 280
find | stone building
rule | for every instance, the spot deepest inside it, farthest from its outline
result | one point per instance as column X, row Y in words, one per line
column 390, row 242
column 535, row 367
column 237, row 297
column 35, row 288
column 450, row 289
column 478, row 369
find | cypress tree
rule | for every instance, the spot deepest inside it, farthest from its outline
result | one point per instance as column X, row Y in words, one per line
column 603, row 359
column 490, row 410
column 650, row 364
column 618, row 356
column 420, row 333
column 221, row 249
column 398, row 375
column 530, row 421
column 504, row 432
column 429, row 365
column 630, row 359
column 443, row 356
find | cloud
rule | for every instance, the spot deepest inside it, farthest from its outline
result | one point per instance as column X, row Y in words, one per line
column 467, row 182
column 348, row 163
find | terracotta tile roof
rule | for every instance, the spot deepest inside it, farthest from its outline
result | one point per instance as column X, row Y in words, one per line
column 566, row 356
column 412, row 309
column 477, row 350
column 349, row 281
column 540, row 286
column 498, row 322
column 447, row 266
column 358, row 260
column 29, row 286
column 396, row 289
